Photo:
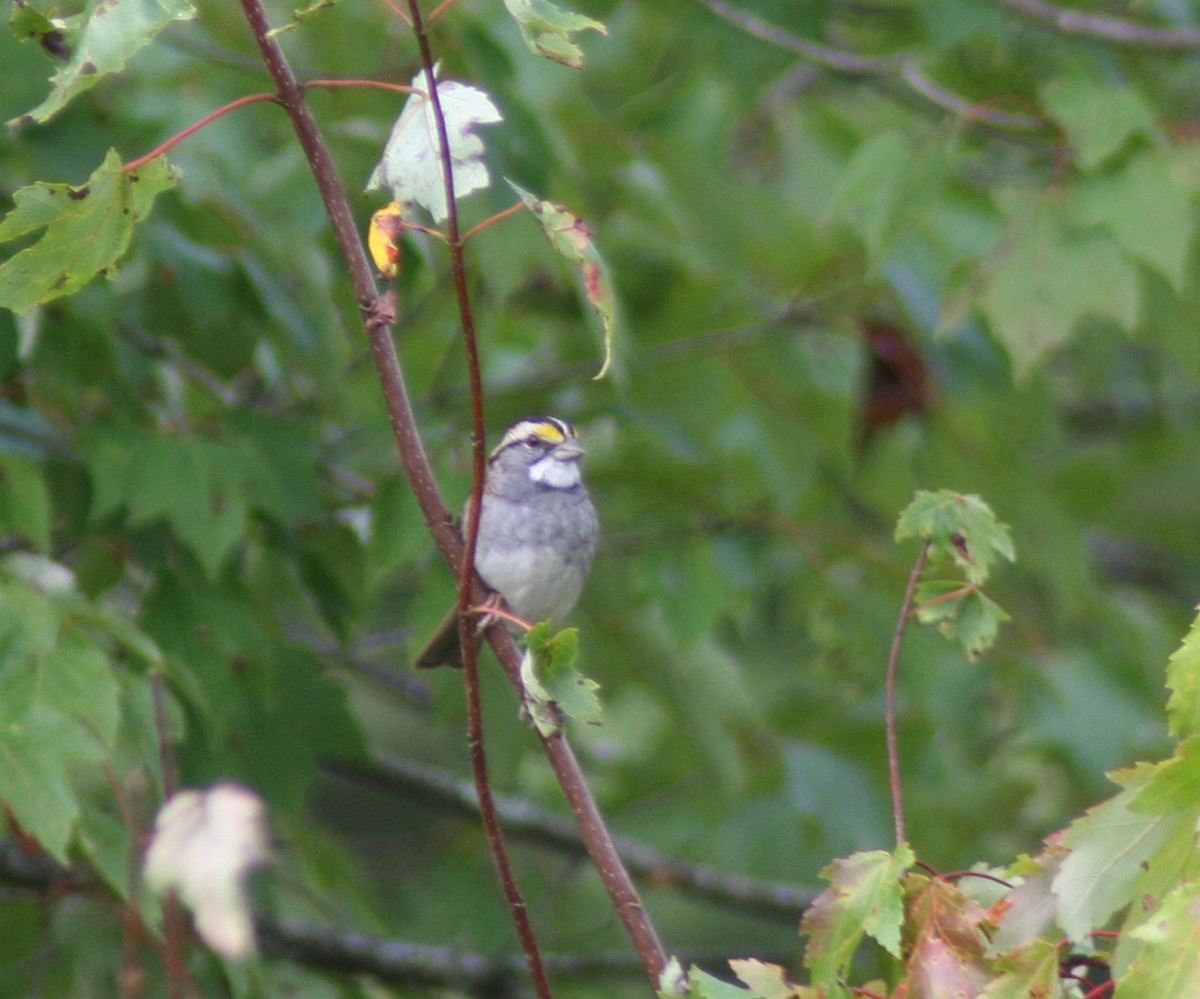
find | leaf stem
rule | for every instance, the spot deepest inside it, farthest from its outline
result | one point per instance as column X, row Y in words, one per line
column 942, row 598
column 893, row 669
column 399, row 88
column 489, row 222
column 208, row 119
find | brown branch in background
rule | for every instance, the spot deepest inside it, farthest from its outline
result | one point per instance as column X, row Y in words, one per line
column 378, row 313
column 749, row 896
column 1114, row 30
column 893, row 669
column 395, row 961
column 899, row 67
column 466, row 568
column 412, row 964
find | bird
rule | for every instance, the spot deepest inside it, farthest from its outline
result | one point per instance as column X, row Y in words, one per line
column 537, row 530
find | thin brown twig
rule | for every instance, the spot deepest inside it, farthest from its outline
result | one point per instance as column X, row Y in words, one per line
column 902, row 67
column 466, row 568
column 399, row 88
column 893, row 669
column 942, row 598
column 441, row 9
column 378, row 314
column 208, row 119
column 1105, row 28
column 489, row 222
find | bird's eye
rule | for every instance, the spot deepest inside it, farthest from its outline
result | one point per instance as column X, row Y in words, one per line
column 533, row 440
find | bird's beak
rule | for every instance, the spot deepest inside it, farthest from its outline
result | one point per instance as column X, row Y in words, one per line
column 568, row 450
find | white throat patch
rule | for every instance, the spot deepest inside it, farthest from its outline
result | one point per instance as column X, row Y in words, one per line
column 554, row 473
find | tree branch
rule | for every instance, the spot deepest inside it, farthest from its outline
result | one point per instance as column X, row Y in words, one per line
column 1115, row 30
column 750, row 896
column 397, row 961
column 377, row 316
column 900, row 67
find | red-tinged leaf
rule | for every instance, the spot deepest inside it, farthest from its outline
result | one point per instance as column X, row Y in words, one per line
column 572, row 239
column 87, row 230
column 864, row 896
column 945, row 947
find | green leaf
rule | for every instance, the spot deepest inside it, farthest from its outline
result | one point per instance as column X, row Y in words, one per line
column 963, row 614
column 547, row 29
column 865, row 895
column 1167, row 964
column 1110, row 846
column 770, row 981
column 57, row 36
column 1173, row 783
column 572, row 240
column 1046, row 276
column 1029, row 910
column 958, row 527
column 195, row 485
column 87, row 230
column 1099, row 118
column 113, row 31
column 1145, row 205
column 24, row 501
column 869, row 191
column 554, row 689
column 37, row 752
column 702, row 985
column 76, row 679
column 1183, row 677
column 105, row 844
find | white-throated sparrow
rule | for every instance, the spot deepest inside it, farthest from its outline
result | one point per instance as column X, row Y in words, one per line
column 537, row 529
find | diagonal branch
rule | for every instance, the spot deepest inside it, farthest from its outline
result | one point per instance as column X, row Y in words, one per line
column 378, row 314
column 750, row 896
column 1115, row 30
column 899, row 67
column 466, row 567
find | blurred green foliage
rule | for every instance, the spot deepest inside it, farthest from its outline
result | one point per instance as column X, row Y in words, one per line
column 832, row 293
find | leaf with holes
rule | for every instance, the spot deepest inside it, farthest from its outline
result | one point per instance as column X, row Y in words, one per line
column 547, row 29
column 113, row 31
column 411, row 166
column 87, row 230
